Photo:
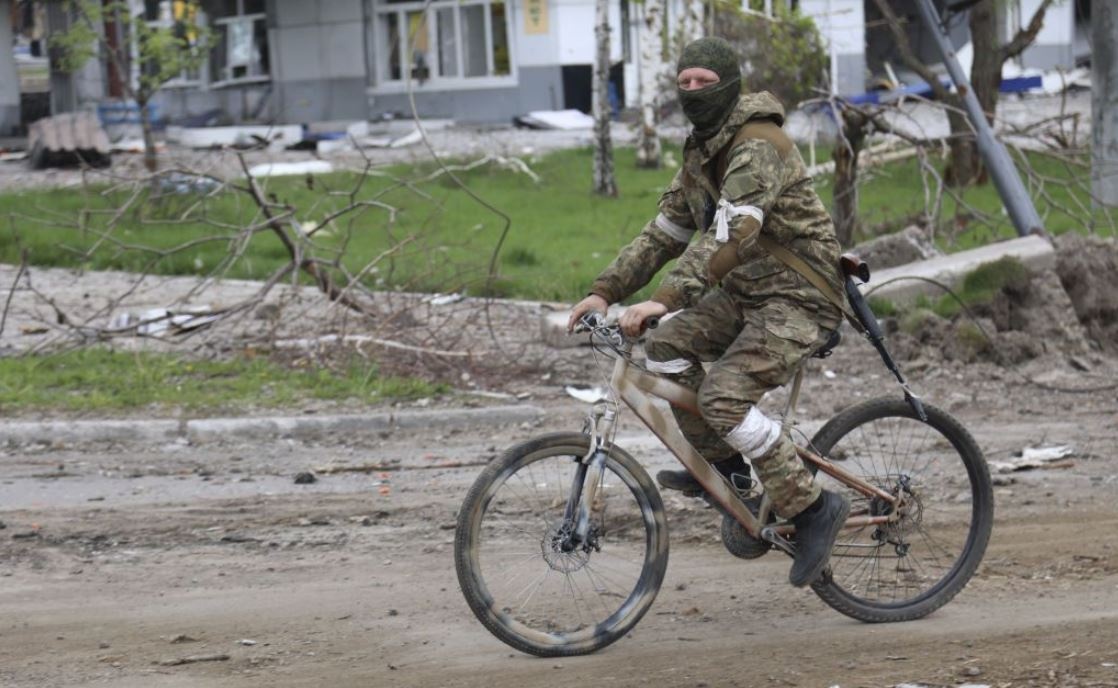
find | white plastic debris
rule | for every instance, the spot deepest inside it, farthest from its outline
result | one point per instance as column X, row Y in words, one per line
column 445, row 299
column 281, row 169
column 829, row 374
column 590, row 395
column 559, row 119
column 1033, row 457
column 157, row 321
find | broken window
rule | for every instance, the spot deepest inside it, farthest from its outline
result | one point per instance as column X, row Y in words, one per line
column 441, row 40
column 240, row 42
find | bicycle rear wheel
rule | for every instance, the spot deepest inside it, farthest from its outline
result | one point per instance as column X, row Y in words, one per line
column 908, row 568
column 514, row 572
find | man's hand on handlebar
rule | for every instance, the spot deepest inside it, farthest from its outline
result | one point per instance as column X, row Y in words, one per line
column 636, row 317
column 590, row 303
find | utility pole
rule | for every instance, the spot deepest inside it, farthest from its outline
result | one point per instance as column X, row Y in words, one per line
column 1012, row 191
column 1104, row 102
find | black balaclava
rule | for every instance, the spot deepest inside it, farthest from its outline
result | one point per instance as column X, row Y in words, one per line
column 708, row 108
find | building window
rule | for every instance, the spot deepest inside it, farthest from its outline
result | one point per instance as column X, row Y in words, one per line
column 240, row 42
column 184, row 18
column 442, row 42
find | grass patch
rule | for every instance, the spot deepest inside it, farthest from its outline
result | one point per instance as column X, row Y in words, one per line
column 561, row 234
column 982, row 284
column 98, row 379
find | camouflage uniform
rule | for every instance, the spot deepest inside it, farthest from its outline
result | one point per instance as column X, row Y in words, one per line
column 744, row 311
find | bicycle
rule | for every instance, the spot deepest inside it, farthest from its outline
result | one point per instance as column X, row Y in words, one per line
column 562, row 544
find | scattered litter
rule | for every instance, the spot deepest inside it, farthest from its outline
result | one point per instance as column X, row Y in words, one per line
column 285, row 169
column 590, row 395
column 555, row 119
column 247, row 642
column 1036, row 457
column 407, row 140
column 238, row 538
column 13, row 156
column 134, row 145
column 829, row 374
column 445, row 299
column 184, row 184
column 236, row 136
column 193, row 659
column 157, row 321
column 305, row 478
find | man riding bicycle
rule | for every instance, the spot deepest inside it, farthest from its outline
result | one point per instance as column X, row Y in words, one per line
column 742, row 309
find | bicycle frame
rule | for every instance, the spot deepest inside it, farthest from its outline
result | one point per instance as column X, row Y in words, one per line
column 637, row 388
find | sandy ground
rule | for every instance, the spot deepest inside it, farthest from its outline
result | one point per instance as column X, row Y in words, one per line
column 110, row 553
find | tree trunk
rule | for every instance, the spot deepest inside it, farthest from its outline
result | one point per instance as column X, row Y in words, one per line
column 150, row 161
column 1104, row 103
column 961, row 169
column 845, row 192
column 651, row 69
column 604, row 182
column 690, row 22
column 985, row 78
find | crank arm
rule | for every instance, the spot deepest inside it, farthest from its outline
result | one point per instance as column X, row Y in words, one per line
column 769, row 534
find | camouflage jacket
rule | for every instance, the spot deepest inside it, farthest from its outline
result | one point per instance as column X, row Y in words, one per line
column 751, row 175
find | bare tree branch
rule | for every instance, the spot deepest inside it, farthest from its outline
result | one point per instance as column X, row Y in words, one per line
column 1027, row 35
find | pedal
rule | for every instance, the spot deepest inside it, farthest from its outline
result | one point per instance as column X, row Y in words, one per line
column 779, row 541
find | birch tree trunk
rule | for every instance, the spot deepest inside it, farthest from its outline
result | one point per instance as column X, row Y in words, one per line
column 604, row 182
column 652, row 67
column 692, row 23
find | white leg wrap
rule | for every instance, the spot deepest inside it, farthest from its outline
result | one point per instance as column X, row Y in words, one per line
column 755, row 435
column 670, row 367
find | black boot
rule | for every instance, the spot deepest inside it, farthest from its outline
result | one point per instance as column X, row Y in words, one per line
column 735, row 469
column 817, row 528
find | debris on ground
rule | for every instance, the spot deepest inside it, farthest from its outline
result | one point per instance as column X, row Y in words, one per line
column 288, row 169
column 305, row 478
column 1036, row 457
column 906, row 246
column 194, row 659
column 555, row 119
column 156, row 321
column 73, row 138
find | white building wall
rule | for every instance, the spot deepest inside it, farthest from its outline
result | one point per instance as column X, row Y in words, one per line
column 1054, row 44
column 842, row 24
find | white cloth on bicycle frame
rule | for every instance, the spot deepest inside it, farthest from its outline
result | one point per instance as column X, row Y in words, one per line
column 727, row 211
column 755, row 435
column 672, row 367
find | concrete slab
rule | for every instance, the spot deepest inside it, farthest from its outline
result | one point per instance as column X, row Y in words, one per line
column 1034, row 251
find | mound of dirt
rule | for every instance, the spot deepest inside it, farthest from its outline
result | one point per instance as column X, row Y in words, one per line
column 906, row 246
column 1088, row 271
column 1069, row 312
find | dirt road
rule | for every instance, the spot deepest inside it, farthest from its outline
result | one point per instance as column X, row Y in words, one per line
column 151, row 555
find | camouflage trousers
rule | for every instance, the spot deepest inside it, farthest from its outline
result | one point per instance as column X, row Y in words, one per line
column 751, row 351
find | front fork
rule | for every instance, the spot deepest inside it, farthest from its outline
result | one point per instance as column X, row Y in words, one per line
column 588, row 476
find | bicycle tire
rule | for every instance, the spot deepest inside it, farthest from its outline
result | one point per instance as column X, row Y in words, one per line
column 468, row 558
column 840, row 440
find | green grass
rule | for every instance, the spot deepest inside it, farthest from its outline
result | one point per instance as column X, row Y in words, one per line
column 97, row 379
column 982, row 284
column 561, row 234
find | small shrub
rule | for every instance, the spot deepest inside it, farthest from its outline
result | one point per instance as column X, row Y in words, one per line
column 520, row 256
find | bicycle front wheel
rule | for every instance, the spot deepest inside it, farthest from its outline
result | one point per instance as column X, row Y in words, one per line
column 522, row 582
column 913, row 565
